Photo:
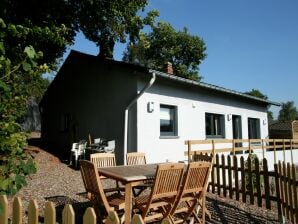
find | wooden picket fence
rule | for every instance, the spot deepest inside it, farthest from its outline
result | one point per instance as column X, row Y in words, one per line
column 68, row 214
column 287, row 186
column 251, row 182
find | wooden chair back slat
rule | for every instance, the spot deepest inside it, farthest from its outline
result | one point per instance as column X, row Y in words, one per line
column 103, row 159
column 135, row 158
column 167, row 181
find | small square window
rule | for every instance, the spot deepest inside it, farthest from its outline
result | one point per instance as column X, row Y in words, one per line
column 215, row 125
column 168, row 120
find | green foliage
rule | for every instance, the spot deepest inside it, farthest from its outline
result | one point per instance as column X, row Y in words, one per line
column 106, row 22
column 288, row 112
column 165, row 44
column 17, row 80
column 47, row 25
column 253, row 157
column 257, row 93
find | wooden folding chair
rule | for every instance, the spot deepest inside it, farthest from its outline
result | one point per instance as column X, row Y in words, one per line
column 138, row 158
column 199, row 157
column 135, row 158
column 93, row 185
column 105, row 160
column 158, row 204
column 192, row 191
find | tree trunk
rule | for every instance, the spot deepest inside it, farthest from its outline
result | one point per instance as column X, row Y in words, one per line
column 106, row 48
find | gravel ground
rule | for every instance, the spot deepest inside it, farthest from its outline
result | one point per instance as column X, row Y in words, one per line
column 57, row 182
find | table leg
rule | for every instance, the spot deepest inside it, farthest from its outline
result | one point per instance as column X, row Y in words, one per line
column 128, row 203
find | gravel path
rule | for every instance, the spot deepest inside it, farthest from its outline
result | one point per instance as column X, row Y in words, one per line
column 57, row 182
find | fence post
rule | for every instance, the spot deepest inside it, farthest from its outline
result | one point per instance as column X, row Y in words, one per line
column 236, row 177
column 294, row 175
column 68, row 215
column 243, row 181
column 250, row 184
column 217, row 174
column 263, row 150
column 285, row 182
column 266, row 183
column 291, row 143
column 33, row 212
column 290, row 199
column 213, row 148
column 89, row 216
column 188, row 150
column 274, row 148
column 49, row 213
column 258, row 182
column 4, row 206
column 278, row 192
column 223, row 169
column 17, row 211
column 233, row 142
column 112, row 218
column 230, row 177
column 284, row 150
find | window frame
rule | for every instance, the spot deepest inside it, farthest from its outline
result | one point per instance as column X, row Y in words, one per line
column 174, row 132
column 221, row 123
column 257, row 121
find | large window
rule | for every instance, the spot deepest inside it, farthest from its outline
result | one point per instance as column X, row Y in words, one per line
column 168, row 120
column 254, row 128
column 215, row 125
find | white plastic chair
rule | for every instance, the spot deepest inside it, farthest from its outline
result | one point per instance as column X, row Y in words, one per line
column 110, row 147
column 78, row 149
column 97, row 140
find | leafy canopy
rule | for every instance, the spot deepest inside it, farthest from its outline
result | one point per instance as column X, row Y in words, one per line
column 106, row 22
column 288, row 112
column 48, row 25
column 165, row 44
column 259, row 94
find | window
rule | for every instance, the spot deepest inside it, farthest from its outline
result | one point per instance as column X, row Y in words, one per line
column 168, row 120
column 215, row 125
column 254, row 128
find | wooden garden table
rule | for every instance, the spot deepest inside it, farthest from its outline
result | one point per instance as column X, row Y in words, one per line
column 129, row 176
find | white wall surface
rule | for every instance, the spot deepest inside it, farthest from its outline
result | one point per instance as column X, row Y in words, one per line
column 191, row 106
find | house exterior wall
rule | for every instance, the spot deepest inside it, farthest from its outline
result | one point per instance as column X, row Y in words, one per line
column 96, row 102
column 191, row 106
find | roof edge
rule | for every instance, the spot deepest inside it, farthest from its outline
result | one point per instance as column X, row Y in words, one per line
column 213, row 87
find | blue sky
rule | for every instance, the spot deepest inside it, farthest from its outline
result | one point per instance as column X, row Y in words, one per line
column 250, row 43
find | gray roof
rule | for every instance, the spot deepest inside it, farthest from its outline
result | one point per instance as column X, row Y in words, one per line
column 211, row 87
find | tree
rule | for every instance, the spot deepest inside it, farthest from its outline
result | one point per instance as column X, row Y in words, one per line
column 288, row 112
column 16, row 74
column 107, row 22
column 259, row 94
column 50, row 27
column 165, row 44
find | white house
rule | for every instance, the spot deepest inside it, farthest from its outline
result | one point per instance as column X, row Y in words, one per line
column 142, row 109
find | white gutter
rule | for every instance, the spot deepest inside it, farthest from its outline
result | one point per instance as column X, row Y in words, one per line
column 152, row 80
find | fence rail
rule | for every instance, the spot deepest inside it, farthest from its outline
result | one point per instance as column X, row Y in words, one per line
column 68, row 214
column 233, row 146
